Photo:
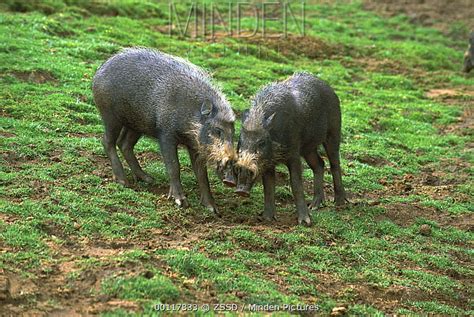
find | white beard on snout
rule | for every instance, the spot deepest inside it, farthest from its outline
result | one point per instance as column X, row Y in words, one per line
column 220, row 153
column 217, row 153
column 248, row 161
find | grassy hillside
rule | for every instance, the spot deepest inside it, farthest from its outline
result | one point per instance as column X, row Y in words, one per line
column 72, row 240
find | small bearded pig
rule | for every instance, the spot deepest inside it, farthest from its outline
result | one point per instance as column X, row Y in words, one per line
column 145, row 92
column 287, row 120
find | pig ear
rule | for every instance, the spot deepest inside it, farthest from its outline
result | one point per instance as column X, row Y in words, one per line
column 268, row 120
column 206, row 108
column 245, row 115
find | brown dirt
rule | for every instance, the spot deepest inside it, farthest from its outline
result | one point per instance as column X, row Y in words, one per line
column 15, row 160
column 35, row 76
column 438, row 184
column 57, row 292
column 405, row 215
column 291, row 46
column 83, row 135
column 461, row 96
column 464, row 126
column 5, row 134
column 386, row 66
column 440, row 14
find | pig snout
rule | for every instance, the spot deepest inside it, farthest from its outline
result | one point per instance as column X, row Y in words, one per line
column 226, row 174
column 229, row 179
column 243, row 190
column 244, row 185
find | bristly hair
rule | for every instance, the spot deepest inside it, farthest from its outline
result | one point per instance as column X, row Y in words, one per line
column 201, row 80
column 248, row 161
column 220, row 152
column 193, row 133
column 217, row 152
column 270, row 95
column 273, row 94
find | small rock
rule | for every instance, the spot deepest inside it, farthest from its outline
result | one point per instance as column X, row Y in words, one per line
column 431, row 180
column 425, row 230
column 408, row 187
column 338, row 311
column 240, row 294
column 148, row 274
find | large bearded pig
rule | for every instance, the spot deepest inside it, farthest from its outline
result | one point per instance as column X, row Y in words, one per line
column 288, row 120
column 146, row 92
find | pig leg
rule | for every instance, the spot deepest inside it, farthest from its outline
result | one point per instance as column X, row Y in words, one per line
column 332, row 150
column 200, row 170
column 294, row 166
column 112, row 132
column 316, row 163
column 268, row 179
column 127, row 140
column 169, row 151
column 468, row 59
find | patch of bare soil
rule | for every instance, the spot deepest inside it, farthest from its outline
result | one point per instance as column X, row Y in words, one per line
column 5, row 134
column 405, row 215
column 395, row 296
column 316, row 48
column 8, row 219
column 14, row 160
column 461, row 96
column 35, row 76
column 440, row 14
column 385, row 66
column 67, row 288
column 452, row 96
column 464, row 126
column 291, row 46
column 83, row 135
column 437, row 184
column 388, row 299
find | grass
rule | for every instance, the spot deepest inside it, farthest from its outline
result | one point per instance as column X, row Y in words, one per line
column 65, row 224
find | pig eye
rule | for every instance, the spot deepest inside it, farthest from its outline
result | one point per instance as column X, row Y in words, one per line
column 261, row 143
column 218, row 132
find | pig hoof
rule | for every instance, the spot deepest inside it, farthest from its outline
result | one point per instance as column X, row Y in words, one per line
column 215, row 211
column 181, row 202
column 244, row 194
column 305, row 221
column 212, row 208
column 229, row 183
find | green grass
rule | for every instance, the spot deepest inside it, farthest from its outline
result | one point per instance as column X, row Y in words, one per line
column 158, row 288
column 62, row 216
